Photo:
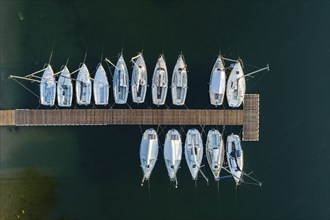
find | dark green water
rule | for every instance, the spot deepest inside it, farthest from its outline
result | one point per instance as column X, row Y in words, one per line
column 82, row 173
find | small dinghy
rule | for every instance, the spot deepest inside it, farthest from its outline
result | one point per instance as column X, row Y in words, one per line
column 48, row 87
column 148, row 152
column 159, row 82
column 217, row 85
column 179, row 82
column 101, row 86
column 172, row 153
column 120, row 82
column 64, row 88
column 193, row 150
column 234, row 154
column 215, row 152
column 236, row 86
column 83, row 86
column 139, row 80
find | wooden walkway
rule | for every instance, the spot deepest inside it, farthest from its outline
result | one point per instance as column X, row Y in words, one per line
column 248, row 117
column 251, row 118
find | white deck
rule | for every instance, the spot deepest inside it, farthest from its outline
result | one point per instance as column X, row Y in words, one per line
column 236, row 86
column 159, row 82
column 179, row 82
column 148, row 152
column 217, row 85
column 193, row 151
column 101, row 86
column 234, row 155
column 83, row 86
column 120, row 82
column 48, row 87
column 215, row 152
column 64, row 88
column 172, row 152
column 139, row 80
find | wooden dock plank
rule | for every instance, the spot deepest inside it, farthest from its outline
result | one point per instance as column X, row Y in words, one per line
column 251, row 117
column 248, row 117
column 132, row 116
column 7, row 117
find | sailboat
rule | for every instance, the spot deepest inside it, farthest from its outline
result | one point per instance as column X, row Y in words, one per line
column 234, row 155
column 217, row 84
column 193, row 151
column 148, row 152
column 172, row 153
column 139, row 79
column 101, row 86
column 236, row 86
column 83, row 86
column 64, row 88
column 120, row 81
column 48, row 87
column 179, row 82
column 159, row 82
column 215, row 152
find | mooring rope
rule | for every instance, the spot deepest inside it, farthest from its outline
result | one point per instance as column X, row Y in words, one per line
column 128, row 105
column 109, row 70
column 26, row 87
column 141, row 129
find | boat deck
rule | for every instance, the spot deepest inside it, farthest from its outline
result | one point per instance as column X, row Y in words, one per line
column 248, row 117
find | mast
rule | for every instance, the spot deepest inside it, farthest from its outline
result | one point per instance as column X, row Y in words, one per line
column 25, row 78
column 257, row 71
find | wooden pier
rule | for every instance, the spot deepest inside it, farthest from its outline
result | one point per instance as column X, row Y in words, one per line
column 248, row 117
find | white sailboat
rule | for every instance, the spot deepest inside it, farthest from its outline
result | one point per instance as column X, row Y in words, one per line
column 179, row 82
column 172, row 153
column 48, row 87
column 148, row 152
column 83, row 86
column 193, row 151
column 101, row 86
column 64, row 88
column 139, row 79
column 236, row 86
column 215, row 152
column 217, row 84
column 120, row 82
column 234, row 155
column 159, row 82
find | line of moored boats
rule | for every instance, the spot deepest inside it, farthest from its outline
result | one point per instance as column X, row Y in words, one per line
column 60, row 84
column 193, row 149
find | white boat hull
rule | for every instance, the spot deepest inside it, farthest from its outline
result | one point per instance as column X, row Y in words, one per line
column 234, row 155
column 236, row 86
column 83, row 86
column 48, row 87
column 120, row 82
column 179, row 82
column 193, row 151
column 172, row 153
column 148, row 152
column 215, row 152
column 139, row 80
column 217, row 86
column 101, row 86
column 159, row 82
column 64, row 88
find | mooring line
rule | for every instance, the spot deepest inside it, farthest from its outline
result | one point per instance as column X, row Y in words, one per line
column 26, row 88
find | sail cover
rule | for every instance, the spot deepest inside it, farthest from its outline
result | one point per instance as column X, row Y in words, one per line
column 216, row 83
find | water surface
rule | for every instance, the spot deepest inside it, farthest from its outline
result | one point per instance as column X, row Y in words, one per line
column 93, row 172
